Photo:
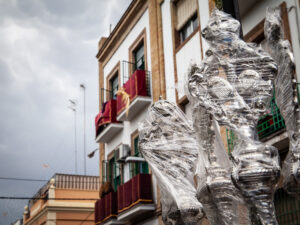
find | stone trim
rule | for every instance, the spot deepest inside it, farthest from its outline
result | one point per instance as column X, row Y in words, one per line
column 141, row 38
column 157, row 55
column 129, row 19
column 182, row 102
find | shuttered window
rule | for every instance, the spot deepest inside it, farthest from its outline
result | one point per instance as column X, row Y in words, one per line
column 185, row 10
column 114, row 83
column 138, row 167
column 104, row 171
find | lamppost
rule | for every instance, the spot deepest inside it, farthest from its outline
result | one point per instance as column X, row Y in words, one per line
column 73, row 108
column 91, row 154
column 84, row 144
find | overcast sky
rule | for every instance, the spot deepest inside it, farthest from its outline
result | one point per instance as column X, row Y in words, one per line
column 47, row 48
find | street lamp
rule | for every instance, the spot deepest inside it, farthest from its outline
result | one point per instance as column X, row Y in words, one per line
column 91, row 154
column 84, row 144
column 73, row 108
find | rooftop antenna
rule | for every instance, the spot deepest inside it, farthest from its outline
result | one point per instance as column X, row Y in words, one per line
column 110, row 26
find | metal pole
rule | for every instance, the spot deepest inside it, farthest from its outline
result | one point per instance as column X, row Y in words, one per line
column 75, row 139
column 73, row 108
column 84, row 135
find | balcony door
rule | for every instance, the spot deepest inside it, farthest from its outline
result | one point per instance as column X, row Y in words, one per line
column 114, row 85
column 138, row 167
column 139, row 58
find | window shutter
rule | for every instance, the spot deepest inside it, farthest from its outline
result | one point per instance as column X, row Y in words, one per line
column 185, row 10
column 104, row 171
column 136, row 146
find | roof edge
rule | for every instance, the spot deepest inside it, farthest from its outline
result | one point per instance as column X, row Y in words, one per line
column 133, row 5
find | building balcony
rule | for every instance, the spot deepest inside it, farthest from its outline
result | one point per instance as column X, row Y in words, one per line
column 267, row 127
column 106, row 209
column 106, row 122
column 135, row 198
column 55, row 194
column 132, row 200
column 134, row 96
column 270, row 124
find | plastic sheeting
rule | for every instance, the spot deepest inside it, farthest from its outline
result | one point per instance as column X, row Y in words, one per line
column 234, row 86
column 286, row 96
column 215, row 190
column 168, row 143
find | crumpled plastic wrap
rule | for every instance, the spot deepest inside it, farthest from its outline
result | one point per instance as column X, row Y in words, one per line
column 215, row 190
column 234, row 85
column 286, row 97
column 168, row 144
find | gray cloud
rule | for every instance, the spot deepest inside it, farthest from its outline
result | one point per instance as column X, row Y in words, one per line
column 47, row 49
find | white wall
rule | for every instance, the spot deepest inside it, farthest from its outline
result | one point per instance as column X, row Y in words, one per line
column 122, row 54
column 124, row 137
column 168, row 50
column 256, row 14
column 204, row 16
column 122, row 51
column 190, row 53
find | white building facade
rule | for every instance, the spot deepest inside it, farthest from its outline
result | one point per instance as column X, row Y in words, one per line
column 146, row 56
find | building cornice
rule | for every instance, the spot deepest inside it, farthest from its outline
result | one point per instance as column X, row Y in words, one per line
column 58, row 208
column 122, row 28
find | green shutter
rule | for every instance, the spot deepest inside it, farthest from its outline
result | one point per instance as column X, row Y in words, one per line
column 139, row 167
column 111, row 169
column 116, row 179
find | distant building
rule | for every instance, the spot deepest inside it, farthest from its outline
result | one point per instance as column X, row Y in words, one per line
column 46, row 208
column 147, row 56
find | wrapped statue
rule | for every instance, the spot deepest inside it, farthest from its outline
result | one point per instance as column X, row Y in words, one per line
column 286, row 97
column 215, row 190
column 234, row 85
column 168, row 143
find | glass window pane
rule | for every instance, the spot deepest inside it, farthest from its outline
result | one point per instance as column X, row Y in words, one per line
column 188, row 28
column 114, row 86
column 136, row 146
column 195, row 23
column 139, row 58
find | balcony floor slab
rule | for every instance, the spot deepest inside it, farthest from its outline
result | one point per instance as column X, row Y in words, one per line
column 113, row 221
column 135, row 107
column 108, row 132
column 135, row 211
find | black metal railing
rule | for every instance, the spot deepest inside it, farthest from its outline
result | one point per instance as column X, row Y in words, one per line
column 287, row 208
column 128, row 68
column 105, row 95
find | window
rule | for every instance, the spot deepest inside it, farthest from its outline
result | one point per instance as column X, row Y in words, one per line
column 104, row 171
column 111, row 171
column 114, row 84
column 137, row 54
column 186, row 20
column 188, row 28
column 138, row 167
column 139, row 58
